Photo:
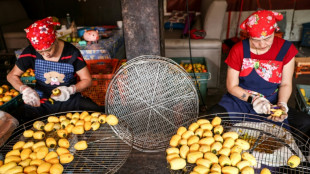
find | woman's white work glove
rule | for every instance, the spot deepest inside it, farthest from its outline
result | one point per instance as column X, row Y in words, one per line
column 30, row 96
column 261, row 105
column 65, row 93
column 283, row 106
column 284, row 115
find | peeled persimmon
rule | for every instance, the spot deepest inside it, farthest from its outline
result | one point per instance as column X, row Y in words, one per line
column 56, row 92
column 7, row 98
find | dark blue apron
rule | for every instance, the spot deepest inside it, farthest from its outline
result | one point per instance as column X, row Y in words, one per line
column 50, row 75
column 254, row 82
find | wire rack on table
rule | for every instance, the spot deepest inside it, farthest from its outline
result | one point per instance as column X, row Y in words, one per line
column 271, row 144
column 106, row 152
column 154, row 97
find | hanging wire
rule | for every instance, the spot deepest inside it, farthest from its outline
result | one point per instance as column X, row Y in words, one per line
column 191, row 58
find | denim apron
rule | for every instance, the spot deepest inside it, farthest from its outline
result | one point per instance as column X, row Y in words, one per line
column 50, row 75
column 260, row 77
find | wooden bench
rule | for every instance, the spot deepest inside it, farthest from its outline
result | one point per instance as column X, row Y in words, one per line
column 302, row 66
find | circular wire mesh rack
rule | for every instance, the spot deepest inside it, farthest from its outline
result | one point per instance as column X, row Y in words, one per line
column 106, row 152
column 272, row 145
column 152, row 57
column 154, row 97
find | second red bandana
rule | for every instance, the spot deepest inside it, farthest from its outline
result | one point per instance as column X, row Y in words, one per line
column 261, row 23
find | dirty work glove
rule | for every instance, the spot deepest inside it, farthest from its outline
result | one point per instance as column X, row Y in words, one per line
column 30, row 96
column 65, row 93
column 284, row 115
column 261, row 105
column 283, row 106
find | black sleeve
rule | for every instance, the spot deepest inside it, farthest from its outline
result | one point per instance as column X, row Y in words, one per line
column 26, row 59
column 79, row 63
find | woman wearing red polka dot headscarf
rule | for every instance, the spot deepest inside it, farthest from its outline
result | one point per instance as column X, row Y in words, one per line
column 260, row 72
column 57, row 65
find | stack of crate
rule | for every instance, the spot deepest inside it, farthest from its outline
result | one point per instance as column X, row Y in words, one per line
column 102, row 71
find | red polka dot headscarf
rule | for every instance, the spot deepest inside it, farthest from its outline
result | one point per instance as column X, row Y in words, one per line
column 41, row 34
column 261, row 24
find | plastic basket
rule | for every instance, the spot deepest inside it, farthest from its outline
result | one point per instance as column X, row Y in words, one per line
column 202, row 78
column 28, row 80
column 97, row 91
column 12, row 104
column 201, row 60
column 102, row 66
column 301, row 100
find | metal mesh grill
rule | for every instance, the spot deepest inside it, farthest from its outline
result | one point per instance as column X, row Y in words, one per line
column 154, row 97
column 106, row 152
column 272, row 145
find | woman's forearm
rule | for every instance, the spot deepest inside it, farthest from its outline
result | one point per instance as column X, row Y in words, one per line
column 15, row 81
column 285, row 88
column 239, row 92
column 85, row 80
column 285, row 92
column 232, row 84
column 83, row 84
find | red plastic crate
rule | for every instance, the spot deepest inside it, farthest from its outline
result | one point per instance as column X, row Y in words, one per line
column 102, row 66
column 97, row 91
column 102, row 71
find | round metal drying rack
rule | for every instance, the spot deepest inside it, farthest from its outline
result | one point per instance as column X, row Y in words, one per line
column 107, row 150
column 154, row 96
column 150, row 57
column 270, row 144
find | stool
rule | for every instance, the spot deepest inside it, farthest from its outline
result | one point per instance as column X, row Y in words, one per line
column 302, row 66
